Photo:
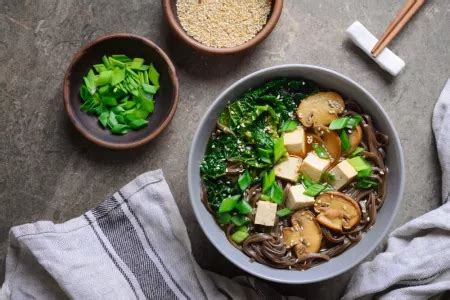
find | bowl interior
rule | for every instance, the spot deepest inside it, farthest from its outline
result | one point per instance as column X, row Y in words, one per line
column 328, row 80
column 133, row 46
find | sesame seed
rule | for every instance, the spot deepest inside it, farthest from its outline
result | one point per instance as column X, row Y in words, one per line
column 223, row 23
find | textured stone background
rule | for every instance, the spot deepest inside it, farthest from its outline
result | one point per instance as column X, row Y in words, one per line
column 48, row 171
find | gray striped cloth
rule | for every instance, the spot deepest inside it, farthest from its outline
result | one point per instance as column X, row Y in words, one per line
column 133, row 246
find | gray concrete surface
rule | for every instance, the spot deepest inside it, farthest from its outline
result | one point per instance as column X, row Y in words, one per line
column 48, row 171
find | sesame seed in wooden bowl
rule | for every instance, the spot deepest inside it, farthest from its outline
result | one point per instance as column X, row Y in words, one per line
column 222, row 26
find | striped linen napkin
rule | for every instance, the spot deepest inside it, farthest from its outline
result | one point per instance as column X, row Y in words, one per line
column 133, row 246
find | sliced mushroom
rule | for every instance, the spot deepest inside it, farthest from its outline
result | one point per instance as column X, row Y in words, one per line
column 355, row 138
column 320, row 109
column 331, row 141
column 305, row 234
column 337, row 211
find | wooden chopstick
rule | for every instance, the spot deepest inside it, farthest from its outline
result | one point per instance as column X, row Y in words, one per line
column 398, row 25
column 406, row 7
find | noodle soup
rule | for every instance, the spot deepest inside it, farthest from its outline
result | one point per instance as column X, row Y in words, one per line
column 294, row 174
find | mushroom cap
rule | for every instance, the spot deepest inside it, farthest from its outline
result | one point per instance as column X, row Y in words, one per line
column 320, row 109
column 337, row 211
column 305, row 234
column 355, row 138
column 331, row 141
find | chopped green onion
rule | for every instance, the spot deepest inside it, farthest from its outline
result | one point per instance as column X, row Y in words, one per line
column 103, row 118
column 345, row 122
column 337, row 124
column 366, row 183
column 288, row 126
column 307, row 181
column 224, row 218
column 268, row 180
column 153, row 75
column 120, row 129
column 121, row 57
column 119, row 79
column 244, row 207
column 278, row 149
column 361, row 166
column 276, row 193
column 242, row 228
column 137, row 63
column 239, row 236
column 328, row 177
column 240, row 220
column 104, row 78
column 244, row 180
column 314, row 189
column 265, row 198
column 284, row 212
column 320, row 150
column 345, row 142
column 138, row 123
column 353, row 121
column 228, row 203
column 358, row 151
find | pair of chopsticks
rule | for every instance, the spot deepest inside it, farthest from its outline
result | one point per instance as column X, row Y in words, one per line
column 403, row 16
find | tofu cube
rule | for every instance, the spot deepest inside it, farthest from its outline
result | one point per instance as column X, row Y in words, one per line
column 314, row 166
column 288, row 169
column 296, row 199
column 294, row 142
column 265, row 213
column 343, row 173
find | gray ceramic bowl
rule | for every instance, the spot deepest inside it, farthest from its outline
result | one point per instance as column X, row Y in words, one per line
column 330, row 80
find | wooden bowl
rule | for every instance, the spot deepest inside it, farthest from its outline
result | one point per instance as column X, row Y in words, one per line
column 170, row 13
column 166, row 100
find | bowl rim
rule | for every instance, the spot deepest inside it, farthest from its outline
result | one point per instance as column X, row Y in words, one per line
column 172, row 76
column 199, row 207
column 176, row 27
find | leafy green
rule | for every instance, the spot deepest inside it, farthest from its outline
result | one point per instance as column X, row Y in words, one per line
column 120, row 94
column 250, row 127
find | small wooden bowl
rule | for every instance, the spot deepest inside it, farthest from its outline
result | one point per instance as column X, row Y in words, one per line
column 166, row 100
column 170, row 13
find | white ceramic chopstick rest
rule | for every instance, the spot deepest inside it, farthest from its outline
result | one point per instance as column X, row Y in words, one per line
column 365, row 40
